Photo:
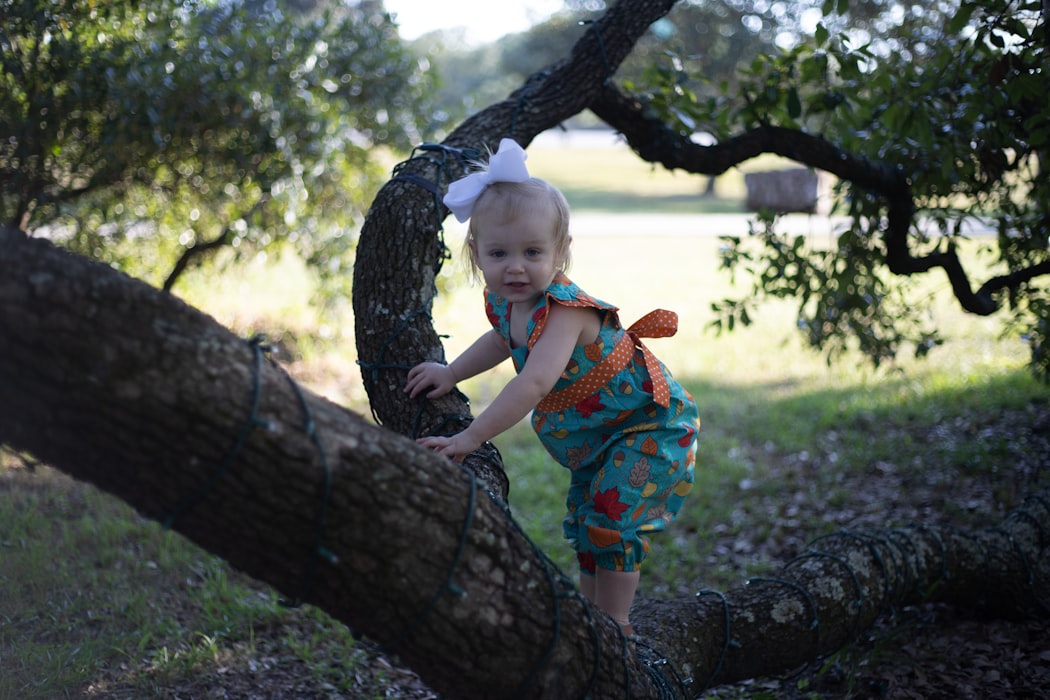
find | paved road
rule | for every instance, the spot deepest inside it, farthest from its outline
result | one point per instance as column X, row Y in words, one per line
column 711, row 225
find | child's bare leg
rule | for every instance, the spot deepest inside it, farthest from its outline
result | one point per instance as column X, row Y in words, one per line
column 614, row 593
column 587, row 583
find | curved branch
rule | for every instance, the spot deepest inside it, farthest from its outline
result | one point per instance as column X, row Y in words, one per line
column 190, row 255
column 655, row 142
column 199, row 249
column 402, row 248
column 829, row 594
column 1015, row 279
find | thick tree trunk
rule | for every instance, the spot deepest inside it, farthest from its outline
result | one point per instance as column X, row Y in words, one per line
column 127, row 388
column 836, row 589
column 401, row 247
column 123, row 386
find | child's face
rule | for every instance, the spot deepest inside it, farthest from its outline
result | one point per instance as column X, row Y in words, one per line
column 517, row 257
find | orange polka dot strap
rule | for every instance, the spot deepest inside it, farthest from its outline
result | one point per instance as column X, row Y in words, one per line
column 655, row 324
column 582, row 299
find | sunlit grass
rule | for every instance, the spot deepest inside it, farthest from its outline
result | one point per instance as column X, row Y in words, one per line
column 603, row 174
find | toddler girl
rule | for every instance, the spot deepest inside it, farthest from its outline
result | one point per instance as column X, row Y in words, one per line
column 602, row 404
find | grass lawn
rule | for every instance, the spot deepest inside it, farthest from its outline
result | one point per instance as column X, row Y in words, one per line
column 95, row 602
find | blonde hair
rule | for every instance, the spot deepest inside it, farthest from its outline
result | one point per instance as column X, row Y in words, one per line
column 510, row 200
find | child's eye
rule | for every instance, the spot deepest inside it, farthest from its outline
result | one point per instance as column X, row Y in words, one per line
column 496, row 253
column 533, row 252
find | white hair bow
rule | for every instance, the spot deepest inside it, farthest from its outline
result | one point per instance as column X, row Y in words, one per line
column 505, row 165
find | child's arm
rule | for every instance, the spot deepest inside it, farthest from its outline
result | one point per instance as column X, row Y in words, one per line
column 484, row 353
column 546, row 362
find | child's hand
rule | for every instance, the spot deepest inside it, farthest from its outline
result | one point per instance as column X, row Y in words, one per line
column 430, row 374
column 455, row 447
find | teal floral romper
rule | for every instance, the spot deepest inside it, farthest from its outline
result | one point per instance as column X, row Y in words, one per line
column 621, row 424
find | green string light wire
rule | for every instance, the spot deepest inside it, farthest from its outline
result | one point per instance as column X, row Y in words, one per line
column 870, row 542
column 260, row 349
column 601, row 46
column 900, row 575
column 438, row 155
column 446, row 585
column 654, row 662
column 1024, row 514
column 320, row 553
column 441, row 157
column 1030, row 574
column 729, row 642
column 945, row 574
column 523, row 101
column 555, row 577
column 447, row 427
column 909, row 583
column 373, row 368
column 251, row 423
column 858, row 602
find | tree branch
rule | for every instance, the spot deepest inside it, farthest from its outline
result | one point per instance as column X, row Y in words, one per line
column 124, row 386
column 192, row 253
column 655, row 142
column 394, row 275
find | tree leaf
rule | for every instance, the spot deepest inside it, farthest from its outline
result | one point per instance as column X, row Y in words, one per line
column 794, row 104
column 961, row 17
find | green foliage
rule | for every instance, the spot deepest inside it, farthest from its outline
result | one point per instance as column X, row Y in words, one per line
column 150, row 133
column 844, row 297
column 712, row 30
column 951, row 95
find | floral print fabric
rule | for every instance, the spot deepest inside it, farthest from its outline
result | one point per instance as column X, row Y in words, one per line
column 630, row 453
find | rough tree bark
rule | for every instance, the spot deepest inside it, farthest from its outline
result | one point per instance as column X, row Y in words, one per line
column 124, row 386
